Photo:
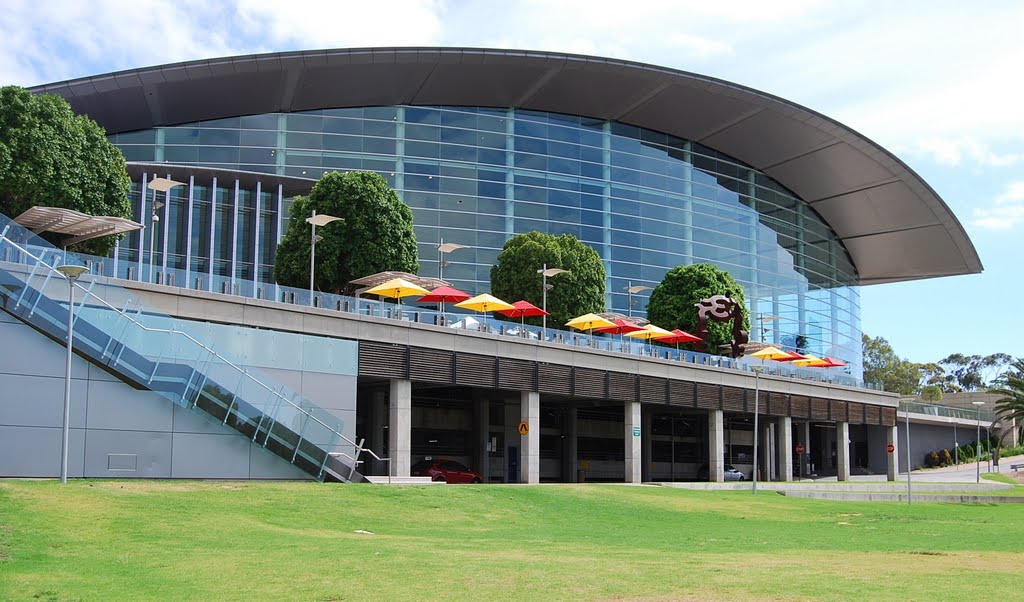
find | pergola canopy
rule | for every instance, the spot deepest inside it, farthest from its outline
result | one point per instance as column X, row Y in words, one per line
column 78, row 226
column 894, row 226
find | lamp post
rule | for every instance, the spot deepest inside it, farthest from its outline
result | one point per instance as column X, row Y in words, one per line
column 442, row 248
column 71, row 273
column 545, row 272
column 157, row 185
column 632, row 290
column 761, row 319
column 977, row 443
column 906, row 415
column 315, row 220
column 757, row 394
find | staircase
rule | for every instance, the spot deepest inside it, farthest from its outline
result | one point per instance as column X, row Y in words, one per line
column 136, row 346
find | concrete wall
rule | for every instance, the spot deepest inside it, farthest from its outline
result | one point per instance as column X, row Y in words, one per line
column 118, row 431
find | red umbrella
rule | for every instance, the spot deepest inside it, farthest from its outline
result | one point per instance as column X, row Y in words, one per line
column 793, row 356
column 831, row 362
column 522, row 310
column 442, row 295
column 620, row 326
column 678, row 336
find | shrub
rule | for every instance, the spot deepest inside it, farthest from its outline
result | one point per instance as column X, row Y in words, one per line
column 932, row 459
column 945, row 458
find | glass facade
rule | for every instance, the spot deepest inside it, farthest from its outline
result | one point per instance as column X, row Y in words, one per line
column 646, row 201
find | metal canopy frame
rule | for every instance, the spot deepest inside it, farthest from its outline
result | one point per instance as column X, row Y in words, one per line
column 78, row 226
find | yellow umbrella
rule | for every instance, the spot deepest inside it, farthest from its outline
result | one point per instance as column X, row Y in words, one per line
column 396, row 288
column 811, row 361
column 589, row 322
column 770, row 353
column 650, row 331
column 484, row 303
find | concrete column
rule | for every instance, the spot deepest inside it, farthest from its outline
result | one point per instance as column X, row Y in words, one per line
column 892, row 467
column 716, row 447
column 784, row 426
column 571, row 449
column 646, row 464
column 632, row 442
column 768, row 436
column 400, row 427
column 843, row 451
column 529, row 449
column 483, row 429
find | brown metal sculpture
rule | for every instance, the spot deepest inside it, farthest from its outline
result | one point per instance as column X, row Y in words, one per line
column 721, row 309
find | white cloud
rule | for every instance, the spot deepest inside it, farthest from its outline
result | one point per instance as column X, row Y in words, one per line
column 698, row 45
column 1005, row 213
column 954, row 152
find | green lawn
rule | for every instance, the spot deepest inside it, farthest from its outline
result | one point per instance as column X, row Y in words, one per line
column 111, row 540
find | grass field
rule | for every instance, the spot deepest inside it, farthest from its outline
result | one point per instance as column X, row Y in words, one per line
column 110, row 540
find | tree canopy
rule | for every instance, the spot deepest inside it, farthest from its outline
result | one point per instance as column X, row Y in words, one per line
column 883, row 367
column 376, row 233
column 673, row 302
column 1010, row 387
column 51, row 157
column 580, row 291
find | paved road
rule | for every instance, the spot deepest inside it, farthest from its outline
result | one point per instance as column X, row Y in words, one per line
column 964, row 473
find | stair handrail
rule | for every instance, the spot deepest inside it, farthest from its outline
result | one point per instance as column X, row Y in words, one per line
column 213, row 352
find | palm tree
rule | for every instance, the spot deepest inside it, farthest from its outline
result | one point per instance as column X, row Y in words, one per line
column 1009, row 408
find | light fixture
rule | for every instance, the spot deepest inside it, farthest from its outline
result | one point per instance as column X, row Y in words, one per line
column 315, row 220
column 163, row 185
column 442, row 248
column 632, row 290
column 71, row 273
column 546, row 273
column 977, row 443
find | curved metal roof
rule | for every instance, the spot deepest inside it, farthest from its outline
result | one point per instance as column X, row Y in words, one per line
column 893, row 224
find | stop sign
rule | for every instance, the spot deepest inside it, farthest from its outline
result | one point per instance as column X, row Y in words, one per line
column 799, row 448
column 890, row 448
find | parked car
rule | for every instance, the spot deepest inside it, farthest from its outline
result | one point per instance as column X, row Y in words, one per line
column 731, row 473
column 448, row 471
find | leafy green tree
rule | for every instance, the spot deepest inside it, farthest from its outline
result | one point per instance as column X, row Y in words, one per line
column 931, row 393
column 376, row 233
column 673, row 303
column 882, row 366
column 51, row 157
column 580, row 291
column 974, row 372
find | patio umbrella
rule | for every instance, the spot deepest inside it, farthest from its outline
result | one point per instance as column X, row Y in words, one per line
column 677, row 336
column 771, row 353
column 396, row 288
column 442, row 295
column 588, row 322
column 793, row 356
column 620, row 326
column 523, row 309
column 832, row 362
column 649, row 332
column 484, row 303
column 810, row 361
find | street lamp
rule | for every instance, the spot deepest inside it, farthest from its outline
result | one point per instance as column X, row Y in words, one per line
column 761, row 319
column 442, row 248
column 315, row 220
column 545, row 272
column 906, row 415
column 632, row 290
column 157, row 185
column 757, row 393
column 977, row 443
column 71, row 273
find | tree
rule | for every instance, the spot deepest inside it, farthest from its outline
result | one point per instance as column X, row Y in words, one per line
column 673, row 303
column 51, row 157
column 882, row 366
column 376, row 233
column 579, row 291
column 1009, row 408
column 931, row 393
column 973, row 372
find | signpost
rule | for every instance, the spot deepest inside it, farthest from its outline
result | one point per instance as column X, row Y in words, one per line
column 524, row 428
column 799, row 449
column 890, row 448
column 636, row 431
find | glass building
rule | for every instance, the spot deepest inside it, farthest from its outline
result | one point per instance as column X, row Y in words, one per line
column 800, row 219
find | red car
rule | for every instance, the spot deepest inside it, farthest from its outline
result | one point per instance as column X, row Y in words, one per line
column 446, row 471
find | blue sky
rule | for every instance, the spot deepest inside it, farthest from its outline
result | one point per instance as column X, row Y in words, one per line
column 936, row 82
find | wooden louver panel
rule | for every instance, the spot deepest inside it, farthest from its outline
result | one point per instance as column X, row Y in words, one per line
column 555, row 379
column 475, row 370
column 819, row 408
column 888, row 417
column 516, row 375
column 855, row 412
column 653, row 390
column 621, row 386
column 708, row 396
column 733, row 400
column 872, row 415
column 839, row 411
column 800, row 406
column 382, row 359
column 681, row 392
column 589, row 383
column 778, row 404
column 430, row 365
